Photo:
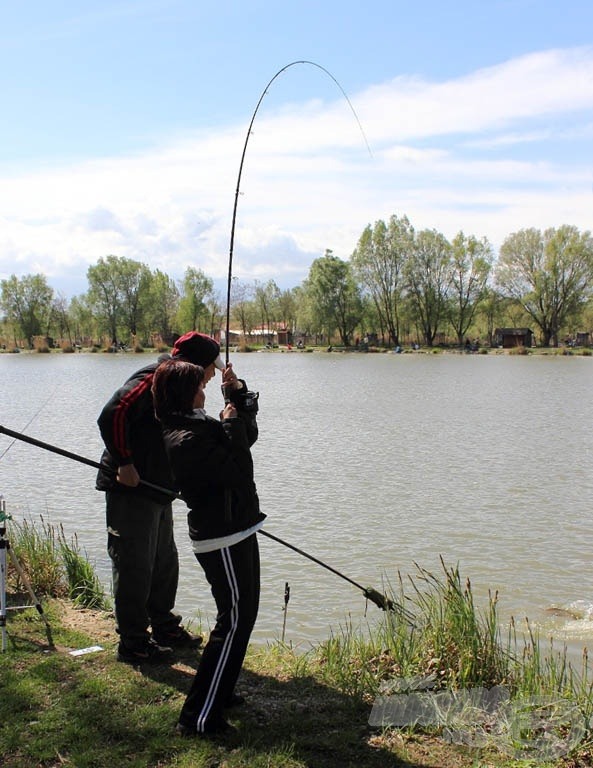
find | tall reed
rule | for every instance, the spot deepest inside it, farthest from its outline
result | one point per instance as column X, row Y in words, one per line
column 53, row 566
column 84, row 587
column 456, row 642
column 38, row 555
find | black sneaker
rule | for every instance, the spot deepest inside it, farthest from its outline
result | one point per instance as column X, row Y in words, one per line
column 151, row 653
column 178, row 637
column 234, row 700
column 213, row 728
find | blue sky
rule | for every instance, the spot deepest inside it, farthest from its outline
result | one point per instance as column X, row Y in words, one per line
column 123, row 124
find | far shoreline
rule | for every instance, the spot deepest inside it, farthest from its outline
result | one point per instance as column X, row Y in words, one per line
column 562, row 351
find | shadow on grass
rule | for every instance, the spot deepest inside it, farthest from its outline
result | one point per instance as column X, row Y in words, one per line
column 313, row 723
column 91, row 711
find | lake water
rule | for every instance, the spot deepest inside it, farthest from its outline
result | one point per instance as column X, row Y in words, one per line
column 372, row 463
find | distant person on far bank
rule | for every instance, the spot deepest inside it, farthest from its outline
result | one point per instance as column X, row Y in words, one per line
column 140, row 541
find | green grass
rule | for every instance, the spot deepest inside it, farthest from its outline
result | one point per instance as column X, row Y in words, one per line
column 304, row 709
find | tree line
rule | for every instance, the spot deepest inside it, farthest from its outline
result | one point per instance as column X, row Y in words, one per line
column 399, row 284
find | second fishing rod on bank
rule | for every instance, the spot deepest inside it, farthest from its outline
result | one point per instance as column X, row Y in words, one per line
column 379, row 598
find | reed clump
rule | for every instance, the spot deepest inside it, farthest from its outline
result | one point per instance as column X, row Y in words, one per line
column 448, row 639
column 53, row 565
column 453, row 670
column 450, row 644
column 37, row 553
column 84, row 588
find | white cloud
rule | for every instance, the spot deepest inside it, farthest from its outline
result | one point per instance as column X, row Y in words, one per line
column 531, row 86
column 448, row 155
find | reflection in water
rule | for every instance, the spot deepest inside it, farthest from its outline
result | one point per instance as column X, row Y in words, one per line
column 371, row 463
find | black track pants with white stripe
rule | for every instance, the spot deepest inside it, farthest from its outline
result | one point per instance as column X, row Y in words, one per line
column 234, row 575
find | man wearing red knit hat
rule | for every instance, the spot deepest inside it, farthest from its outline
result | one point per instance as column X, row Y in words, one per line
column 140, row 542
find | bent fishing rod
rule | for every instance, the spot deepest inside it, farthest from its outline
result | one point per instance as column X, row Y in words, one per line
column 238, row 187
column 371, row 594
column 380, row 600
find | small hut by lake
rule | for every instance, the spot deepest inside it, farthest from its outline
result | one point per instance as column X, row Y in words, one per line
column 507, row 338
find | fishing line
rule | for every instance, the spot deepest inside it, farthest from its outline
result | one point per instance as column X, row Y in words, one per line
column 371, row 594
column 31, row 420
column 238, row 188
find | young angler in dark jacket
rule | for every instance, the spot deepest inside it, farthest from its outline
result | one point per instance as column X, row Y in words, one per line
column 213, row 471
column 140, row 538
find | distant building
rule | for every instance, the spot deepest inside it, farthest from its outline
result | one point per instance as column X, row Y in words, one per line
column 507, row 338
column 284, row 336
column 274, row 334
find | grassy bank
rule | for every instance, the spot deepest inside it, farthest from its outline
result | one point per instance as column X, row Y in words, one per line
column 57, row 709
column 438, row 683
column 90, row 710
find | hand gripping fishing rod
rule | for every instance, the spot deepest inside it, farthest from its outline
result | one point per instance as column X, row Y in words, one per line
column 238, row 188
column 381, row 600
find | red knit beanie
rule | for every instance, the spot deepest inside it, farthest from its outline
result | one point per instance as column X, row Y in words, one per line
column 199, row 349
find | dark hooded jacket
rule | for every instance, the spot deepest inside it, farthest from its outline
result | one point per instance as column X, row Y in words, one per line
column 213, row 471
column 132, row 435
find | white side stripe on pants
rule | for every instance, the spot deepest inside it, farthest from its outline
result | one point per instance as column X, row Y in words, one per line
column 228, row 642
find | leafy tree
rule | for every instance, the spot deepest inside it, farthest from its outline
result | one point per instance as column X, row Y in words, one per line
column 550, row 274
column 216, row 313
column 134, row 280
column 84, row 322
column 162, row 305
column 287, row 308
column 196, row 291
column 378, row 263
column 61, row 318
column 428, row 278
column 243, row 309
column 471, row 262
column 585, row 319
column 371, row 320
column 117, row 295
column 334, row 295
column 27, row 303
column 306, row 319
column 266, row 297
column 104, row 296
column 491, row 309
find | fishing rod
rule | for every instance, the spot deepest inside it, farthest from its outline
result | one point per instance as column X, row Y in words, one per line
column 371, row 594
column 238, row 187
column 381, row 600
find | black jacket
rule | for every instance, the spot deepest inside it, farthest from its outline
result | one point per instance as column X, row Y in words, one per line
column 132, row 435
column 213, row 471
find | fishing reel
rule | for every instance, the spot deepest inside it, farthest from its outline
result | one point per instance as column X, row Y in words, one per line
column 246, row 402
column 243, row 399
